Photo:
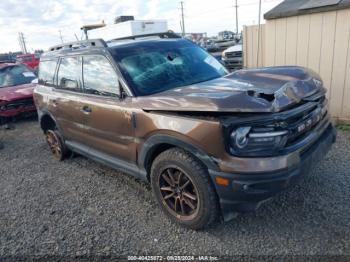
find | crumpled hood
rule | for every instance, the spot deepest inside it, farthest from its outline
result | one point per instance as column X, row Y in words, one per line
column 12, row 93
column 270, row 89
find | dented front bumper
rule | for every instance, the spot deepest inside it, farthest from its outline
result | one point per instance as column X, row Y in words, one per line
column 247, row 190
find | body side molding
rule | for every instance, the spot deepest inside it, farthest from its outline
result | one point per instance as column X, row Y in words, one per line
column 108, row 160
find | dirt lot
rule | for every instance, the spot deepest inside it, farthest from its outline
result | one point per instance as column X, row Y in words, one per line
column 79, row 207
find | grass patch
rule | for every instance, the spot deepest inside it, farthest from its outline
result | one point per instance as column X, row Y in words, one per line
column 343, row 127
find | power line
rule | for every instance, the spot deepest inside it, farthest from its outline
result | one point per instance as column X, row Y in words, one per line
column 259, row 29
column 22, row 43
column 236, row 6
column 230, row 6
column 61, row 36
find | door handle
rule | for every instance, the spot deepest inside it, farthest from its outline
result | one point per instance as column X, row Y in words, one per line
column 54, row 102
column 86, row 110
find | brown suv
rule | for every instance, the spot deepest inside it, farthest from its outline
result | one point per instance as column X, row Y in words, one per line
column 162, row 109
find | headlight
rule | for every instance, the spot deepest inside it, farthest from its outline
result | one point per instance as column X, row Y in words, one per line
column 239, row 137
column 249, row 141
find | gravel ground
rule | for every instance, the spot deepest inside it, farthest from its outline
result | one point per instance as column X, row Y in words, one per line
column 78, row 207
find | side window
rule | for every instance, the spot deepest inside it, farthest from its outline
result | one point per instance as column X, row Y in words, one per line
column 69, row 72
column 99, row 76
column 47, row 72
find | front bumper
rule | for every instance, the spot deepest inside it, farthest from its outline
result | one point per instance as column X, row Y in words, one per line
column 18, row 111
column 247, row 191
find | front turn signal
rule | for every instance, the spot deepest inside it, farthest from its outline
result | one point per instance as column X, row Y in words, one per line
column 222, row 181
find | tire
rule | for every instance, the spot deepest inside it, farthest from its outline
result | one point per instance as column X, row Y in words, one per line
column 56, row 144
column 183, row 189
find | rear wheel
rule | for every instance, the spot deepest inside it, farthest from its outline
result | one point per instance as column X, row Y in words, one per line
column 183, row 189
column 56, row 144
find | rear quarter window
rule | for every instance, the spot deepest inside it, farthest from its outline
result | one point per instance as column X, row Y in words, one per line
column 47, row 72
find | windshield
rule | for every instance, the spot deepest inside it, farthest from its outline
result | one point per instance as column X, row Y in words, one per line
column 15, row 75
column 156, row 67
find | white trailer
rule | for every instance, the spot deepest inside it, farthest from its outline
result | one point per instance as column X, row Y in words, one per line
column 129, row 28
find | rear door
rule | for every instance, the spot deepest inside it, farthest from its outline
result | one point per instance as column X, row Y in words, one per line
column 109, row 124
column 67, row 101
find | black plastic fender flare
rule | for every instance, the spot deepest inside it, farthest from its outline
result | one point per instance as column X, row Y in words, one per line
column 44, row 112
column 152, row 142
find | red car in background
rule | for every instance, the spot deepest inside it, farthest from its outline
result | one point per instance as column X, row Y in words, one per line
column 30, row 60
column 16, row 90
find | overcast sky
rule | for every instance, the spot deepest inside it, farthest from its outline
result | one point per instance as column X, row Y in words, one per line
column 41, row 20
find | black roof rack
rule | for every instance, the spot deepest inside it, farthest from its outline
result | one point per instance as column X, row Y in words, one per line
column 79, row 44
column 168, row 34
column 101, row 43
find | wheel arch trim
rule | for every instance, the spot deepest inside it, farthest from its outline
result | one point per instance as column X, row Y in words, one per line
column 45, row 113
column 151, row 144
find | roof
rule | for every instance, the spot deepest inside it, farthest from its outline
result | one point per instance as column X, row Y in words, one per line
column 301, row 7
column 3, row 65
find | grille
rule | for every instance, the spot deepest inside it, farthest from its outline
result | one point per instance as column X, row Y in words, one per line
column 18, row 103
column 300, row 126
column 233, row 54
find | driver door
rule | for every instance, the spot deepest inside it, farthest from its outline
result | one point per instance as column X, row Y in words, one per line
column 109, row 118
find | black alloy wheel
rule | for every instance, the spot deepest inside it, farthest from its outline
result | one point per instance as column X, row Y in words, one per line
column 183, row 189
column 179, row 193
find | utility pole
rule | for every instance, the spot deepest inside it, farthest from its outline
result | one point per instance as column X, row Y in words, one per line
column 22, row 43
column 182, row 19
column 259, row 29
column 61, row 36
column 236, row 6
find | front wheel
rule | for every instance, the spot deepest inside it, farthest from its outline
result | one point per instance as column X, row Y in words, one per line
column 183, row 189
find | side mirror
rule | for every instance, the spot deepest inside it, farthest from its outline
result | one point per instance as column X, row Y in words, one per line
column 35, row 81
column 68, row 83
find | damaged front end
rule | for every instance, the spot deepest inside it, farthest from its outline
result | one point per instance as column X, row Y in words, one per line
column 275, row 134
column 271, row 151
column 298, row 110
